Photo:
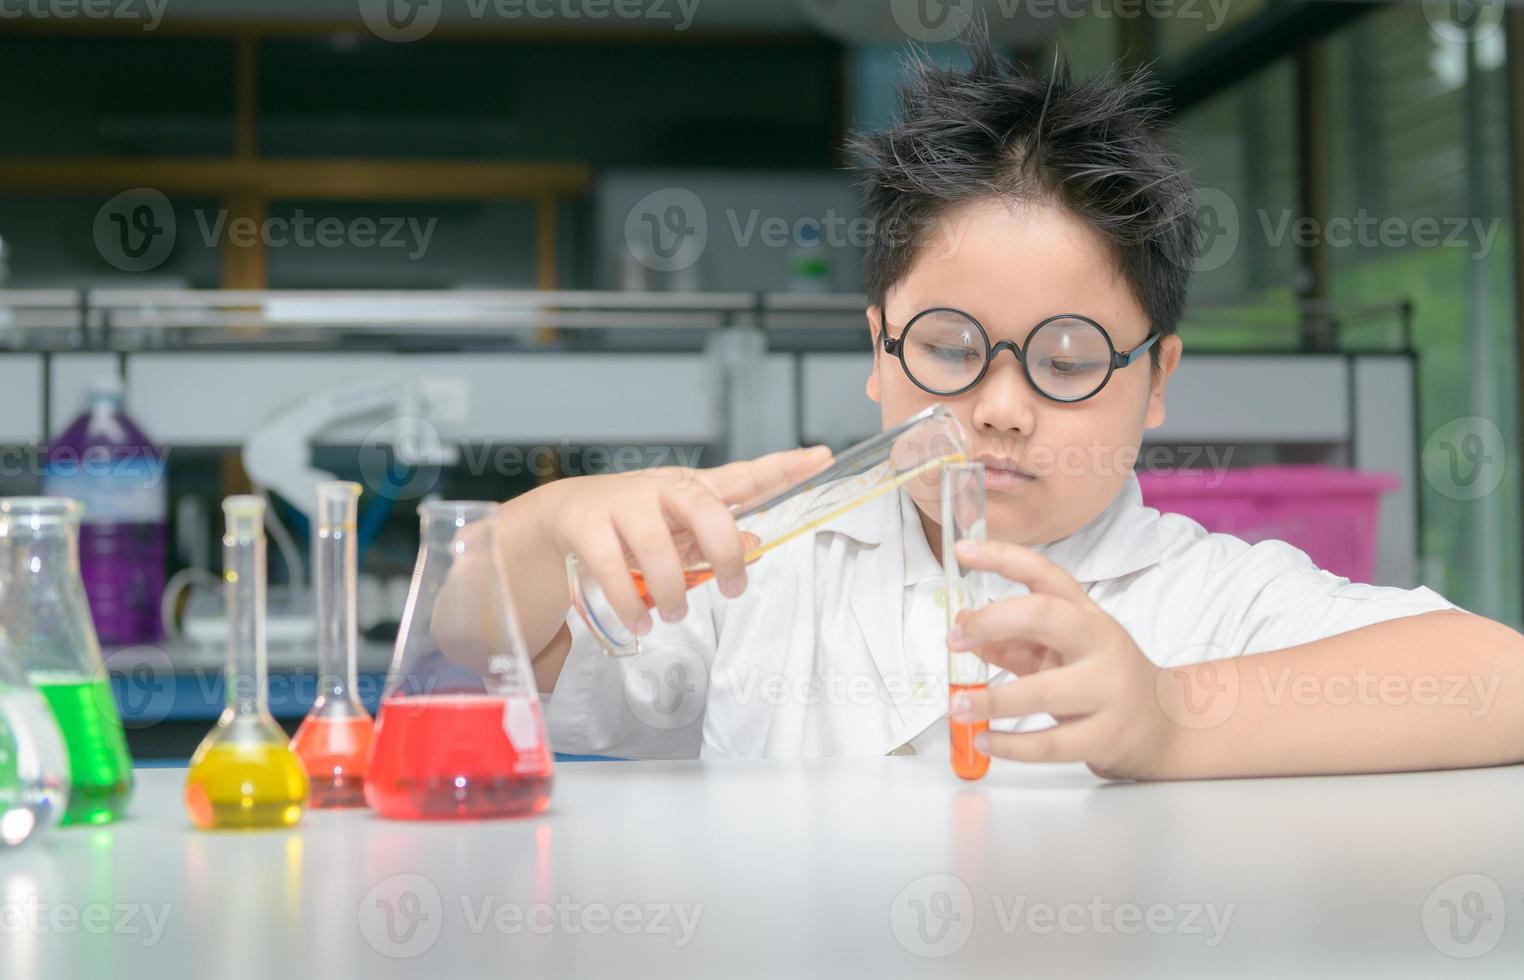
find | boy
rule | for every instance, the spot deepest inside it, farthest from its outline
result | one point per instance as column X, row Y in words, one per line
column 1051, row 226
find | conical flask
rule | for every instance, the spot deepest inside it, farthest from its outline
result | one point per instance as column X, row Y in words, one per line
column 333, row 741
column 34, row 765
column 243, row 774
column 47, row 622
column 459, row 734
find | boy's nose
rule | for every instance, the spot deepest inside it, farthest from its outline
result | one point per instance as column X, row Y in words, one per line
column 1004, row 401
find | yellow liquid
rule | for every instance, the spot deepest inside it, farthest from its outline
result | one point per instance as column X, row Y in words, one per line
column 232, row 786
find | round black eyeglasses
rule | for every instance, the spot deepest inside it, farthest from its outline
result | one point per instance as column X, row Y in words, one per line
column 1066, row 358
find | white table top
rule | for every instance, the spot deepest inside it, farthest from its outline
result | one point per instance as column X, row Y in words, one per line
column 863, row 868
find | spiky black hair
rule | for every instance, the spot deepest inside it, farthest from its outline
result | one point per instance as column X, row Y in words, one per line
column 998, row 130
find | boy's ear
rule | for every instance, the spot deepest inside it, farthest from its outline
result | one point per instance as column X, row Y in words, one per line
column 1170, row 349
column 875, row 317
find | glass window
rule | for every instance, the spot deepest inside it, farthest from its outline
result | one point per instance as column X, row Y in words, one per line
column 1240, row 145
column 1419, row 175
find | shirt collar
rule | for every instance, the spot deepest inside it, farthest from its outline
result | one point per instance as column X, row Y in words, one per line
column 1123, row 539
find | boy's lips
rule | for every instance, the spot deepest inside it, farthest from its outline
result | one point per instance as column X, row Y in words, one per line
column 1004, row 474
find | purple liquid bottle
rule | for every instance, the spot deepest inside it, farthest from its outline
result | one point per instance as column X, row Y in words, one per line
column 105, row 462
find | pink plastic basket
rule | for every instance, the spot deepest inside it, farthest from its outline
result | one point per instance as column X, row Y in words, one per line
column 1328, row 513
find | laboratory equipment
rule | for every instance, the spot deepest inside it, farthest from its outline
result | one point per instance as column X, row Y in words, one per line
column 409, row 412
column 34, row 765
column 333, row 741
column 104, row 461
column 243, row 774
column 963, row 520
column 48, row 629
column 908, row 455
column 459, row 734
column 400, row 456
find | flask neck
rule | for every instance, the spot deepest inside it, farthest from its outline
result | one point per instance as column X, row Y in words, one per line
column 334, row 591
column 244, row 592
column 43, row 550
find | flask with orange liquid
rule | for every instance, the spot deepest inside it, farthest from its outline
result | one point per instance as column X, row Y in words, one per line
column 333, row 741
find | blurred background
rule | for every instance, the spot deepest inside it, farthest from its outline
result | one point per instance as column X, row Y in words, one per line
column 461, row 248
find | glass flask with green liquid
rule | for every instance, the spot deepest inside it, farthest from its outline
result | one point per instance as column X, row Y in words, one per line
column 47, row 624
column 244, row 775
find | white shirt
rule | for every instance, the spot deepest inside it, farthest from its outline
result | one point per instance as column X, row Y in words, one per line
column 838, row 644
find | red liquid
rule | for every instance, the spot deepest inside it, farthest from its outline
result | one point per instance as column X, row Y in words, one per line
column 334, row 753
column 967, row 762
column 449, row 757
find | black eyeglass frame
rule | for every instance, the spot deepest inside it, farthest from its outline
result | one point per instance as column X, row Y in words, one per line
column 1119, row 359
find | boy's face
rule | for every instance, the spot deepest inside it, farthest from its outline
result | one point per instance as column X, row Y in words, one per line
column 1011, row 266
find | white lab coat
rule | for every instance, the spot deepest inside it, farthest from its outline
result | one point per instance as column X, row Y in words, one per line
column 838, row 645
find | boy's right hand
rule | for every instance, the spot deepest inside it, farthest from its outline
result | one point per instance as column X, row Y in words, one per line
column 662, row 519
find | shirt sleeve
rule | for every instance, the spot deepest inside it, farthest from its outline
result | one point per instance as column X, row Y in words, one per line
column 1239, row 598
column 646, row 706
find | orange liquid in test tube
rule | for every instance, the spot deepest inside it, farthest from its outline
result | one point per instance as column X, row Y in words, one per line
column 967, row 761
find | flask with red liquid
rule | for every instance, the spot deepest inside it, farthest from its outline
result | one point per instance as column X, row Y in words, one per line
column 459, row 735
column 333, row 741
column 963, row 519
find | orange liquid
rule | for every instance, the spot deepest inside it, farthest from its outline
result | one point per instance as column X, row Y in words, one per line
column 967, row 762
column 691, row 577
column 334, row 751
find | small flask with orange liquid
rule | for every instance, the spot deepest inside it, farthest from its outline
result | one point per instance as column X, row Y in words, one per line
column 963, row 519
column 334, row 739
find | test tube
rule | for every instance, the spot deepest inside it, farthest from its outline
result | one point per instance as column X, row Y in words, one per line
column 963, row 519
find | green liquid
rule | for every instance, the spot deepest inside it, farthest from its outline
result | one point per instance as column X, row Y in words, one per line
column 99, row 766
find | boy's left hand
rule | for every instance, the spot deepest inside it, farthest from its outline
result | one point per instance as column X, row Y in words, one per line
column 1073, row 661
